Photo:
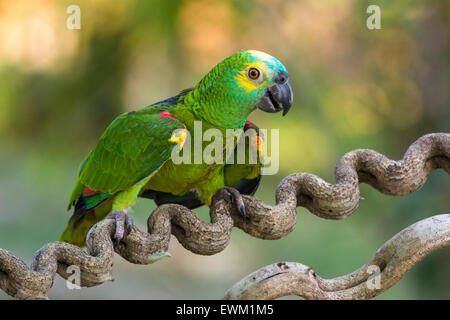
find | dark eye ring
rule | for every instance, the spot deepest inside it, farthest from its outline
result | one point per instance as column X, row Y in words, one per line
column 253, row 73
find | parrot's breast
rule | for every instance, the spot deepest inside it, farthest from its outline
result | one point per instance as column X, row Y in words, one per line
column 181, row 178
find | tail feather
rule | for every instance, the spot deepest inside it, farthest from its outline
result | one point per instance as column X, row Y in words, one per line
column 82, row 220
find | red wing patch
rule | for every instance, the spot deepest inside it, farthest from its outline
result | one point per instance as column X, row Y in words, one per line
column 166, row 115
column 248, row 125
column 87, row 192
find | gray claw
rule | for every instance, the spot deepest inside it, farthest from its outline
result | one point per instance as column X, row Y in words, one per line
column 122, row 221
column 116, row 242
column 241, row 209
column 237, row 200
column 129, row 223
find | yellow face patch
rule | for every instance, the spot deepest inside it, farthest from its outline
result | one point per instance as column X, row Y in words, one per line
column 246, row 83
column 260, row 62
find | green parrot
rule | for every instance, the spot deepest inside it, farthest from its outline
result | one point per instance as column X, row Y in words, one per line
column 133, row 157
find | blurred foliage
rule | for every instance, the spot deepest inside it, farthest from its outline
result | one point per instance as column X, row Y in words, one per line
column 353, row 87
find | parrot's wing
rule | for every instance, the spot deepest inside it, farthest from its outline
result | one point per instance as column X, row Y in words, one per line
column 244, row 177
column 134, row 145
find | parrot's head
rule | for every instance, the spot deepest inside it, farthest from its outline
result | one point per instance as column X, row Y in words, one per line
column 241, row 83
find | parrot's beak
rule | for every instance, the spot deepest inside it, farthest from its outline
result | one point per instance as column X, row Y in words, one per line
column 278, row 96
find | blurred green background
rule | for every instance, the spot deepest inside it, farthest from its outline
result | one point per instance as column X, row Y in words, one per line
column 353, row 88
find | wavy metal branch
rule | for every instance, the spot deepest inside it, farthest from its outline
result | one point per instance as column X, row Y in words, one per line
column 330, row 201
column 386, row 268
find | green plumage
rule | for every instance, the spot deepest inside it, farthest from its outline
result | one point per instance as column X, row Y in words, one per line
column 133, row 156
column 132, row 147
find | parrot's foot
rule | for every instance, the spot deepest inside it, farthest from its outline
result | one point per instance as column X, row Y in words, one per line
column 236, row 199
column 122, row 220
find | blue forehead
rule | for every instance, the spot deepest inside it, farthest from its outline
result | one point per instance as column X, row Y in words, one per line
column 271, row 62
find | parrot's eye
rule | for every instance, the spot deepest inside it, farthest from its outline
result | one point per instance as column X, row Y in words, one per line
column 254, row 74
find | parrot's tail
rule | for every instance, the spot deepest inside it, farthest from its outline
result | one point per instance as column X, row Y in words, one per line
column 82, row 221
